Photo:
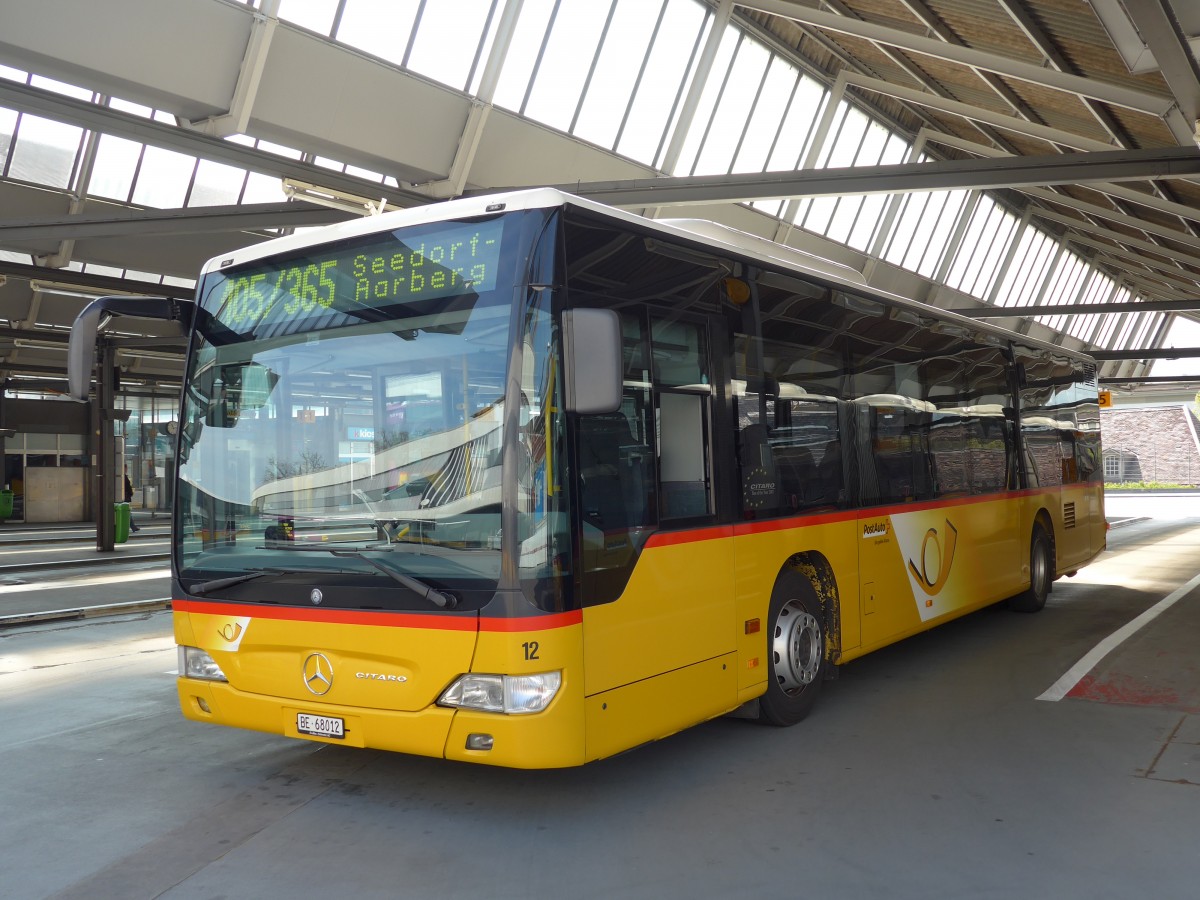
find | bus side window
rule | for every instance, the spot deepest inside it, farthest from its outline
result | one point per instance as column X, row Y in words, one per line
column 681, row 441
column 611, row 473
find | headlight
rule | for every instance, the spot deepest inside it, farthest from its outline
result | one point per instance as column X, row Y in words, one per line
column 195, row 663
column 503, row 693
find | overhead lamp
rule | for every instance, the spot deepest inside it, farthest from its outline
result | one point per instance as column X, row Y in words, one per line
column 35, row 344
column 333, row 198
column 75, row 290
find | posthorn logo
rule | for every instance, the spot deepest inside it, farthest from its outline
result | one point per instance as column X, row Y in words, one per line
column 937, row 556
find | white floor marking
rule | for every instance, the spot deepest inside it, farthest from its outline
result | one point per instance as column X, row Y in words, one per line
column 1077, row 672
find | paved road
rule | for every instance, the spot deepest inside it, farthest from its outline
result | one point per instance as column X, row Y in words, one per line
column 928, row 770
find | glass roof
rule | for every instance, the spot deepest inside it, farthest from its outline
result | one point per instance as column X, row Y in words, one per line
column 614, row 73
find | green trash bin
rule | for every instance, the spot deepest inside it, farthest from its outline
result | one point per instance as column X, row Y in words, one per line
column 120, row 522
column 6, row 498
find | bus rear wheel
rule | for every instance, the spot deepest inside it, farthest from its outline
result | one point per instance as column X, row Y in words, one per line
column 1041, row 573
column 796, row 650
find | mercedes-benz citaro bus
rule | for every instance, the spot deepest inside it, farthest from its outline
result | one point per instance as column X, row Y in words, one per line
column 528, row 481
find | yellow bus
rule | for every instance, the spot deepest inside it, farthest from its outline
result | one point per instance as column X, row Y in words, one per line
column 527, row 481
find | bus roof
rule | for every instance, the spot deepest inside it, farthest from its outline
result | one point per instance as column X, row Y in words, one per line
column 704, row 232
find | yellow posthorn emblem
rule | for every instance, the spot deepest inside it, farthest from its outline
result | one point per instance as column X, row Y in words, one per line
column 230, row 632
column 937, row 555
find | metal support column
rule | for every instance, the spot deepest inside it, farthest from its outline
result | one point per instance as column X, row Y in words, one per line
column 104, row 457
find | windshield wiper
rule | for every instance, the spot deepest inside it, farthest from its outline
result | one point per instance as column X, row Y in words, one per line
column 434, row 596
column 217, row 583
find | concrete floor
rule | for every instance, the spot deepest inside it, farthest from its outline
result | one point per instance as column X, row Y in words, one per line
column 928, row 770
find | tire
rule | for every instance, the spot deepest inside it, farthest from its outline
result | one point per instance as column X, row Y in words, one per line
column 796, row 653
column 1041, row 573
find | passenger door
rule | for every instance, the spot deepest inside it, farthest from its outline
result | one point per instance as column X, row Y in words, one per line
column 658, row 586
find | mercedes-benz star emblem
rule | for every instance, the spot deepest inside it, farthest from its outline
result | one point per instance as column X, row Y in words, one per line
column 318, row 674
column 316, row 596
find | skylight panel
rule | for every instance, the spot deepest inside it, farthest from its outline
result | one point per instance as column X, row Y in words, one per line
column 708, row 101
column 733, row 109
column 163, row 179
column 617, row 66
column 559, row 79
column 216, row 184
column 767, row 117
column 379, row 27
column 44, row 152
column 315, row 15
column 448, row 38
column 60, row 87
column 8, row 124
column 114, row 167
column 655, row 103
column 522, row 54
column 263, row 189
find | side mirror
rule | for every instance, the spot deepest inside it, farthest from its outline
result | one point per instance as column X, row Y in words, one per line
column 592, row 361
column 81, row 351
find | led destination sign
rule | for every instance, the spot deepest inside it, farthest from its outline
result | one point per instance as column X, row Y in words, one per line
column 452, row 260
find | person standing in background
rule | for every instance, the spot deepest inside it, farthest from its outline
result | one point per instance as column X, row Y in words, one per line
column 129, row 499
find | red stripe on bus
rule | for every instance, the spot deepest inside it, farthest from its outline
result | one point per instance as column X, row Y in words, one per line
column 329, row 616
column 762, row 526
column 532, row 623
column 809, row 520
column 672, row 538
column 432, row 621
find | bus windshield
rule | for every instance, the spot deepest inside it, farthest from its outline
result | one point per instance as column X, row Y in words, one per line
column 343, row 417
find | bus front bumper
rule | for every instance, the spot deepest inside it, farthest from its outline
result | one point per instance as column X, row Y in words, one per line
column 551, row 739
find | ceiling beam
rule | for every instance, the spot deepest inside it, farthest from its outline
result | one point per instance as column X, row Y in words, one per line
column 1150, row 379
column 1078, row 309
column 1048, row 133
column 190, row 220
column 1004, row 172
column 1042, row 41
column 1170, row 267
column 94, row 284
column 1120, row 192
column 1159, row 29
column 920, row 76
column 1145, row 353
column 1111, row 215
column 106, row 120
column 1096, row 89
column 1039, row 38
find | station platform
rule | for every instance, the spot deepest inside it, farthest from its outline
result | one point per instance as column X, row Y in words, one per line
column 53, row 571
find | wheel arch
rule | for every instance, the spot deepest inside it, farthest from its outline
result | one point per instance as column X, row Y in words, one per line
column 1042, row 517
column 814, row 567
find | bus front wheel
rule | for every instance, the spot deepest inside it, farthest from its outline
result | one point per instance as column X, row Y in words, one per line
column 1041, row 573
column 796, row 651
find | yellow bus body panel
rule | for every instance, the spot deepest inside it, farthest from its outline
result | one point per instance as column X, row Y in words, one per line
column 548, row 739
column 657, row 707
column 687, row 640
column 676, row 610
column 264, row 657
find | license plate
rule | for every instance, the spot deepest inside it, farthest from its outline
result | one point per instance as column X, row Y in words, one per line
column 321, row 726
